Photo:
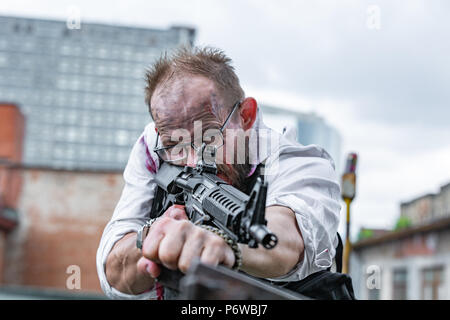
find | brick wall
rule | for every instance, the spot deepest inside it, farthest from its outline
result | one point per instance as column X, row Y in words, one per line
column 2, row 250
column 11, row 145
column 62, row 215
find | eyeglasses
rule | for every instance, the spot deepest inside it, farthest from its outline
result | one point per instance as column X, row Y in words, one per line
column 180, row 152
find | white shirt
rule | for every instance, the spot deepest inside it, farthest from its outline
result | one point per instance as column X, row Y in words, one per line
column 302, row 178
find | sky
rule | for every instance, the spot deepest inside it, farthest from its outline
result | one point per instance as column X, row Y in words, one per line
column 378, row 71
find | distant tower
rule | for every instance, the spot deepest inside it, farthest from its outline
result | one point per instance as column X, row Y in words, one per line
column 311, row 129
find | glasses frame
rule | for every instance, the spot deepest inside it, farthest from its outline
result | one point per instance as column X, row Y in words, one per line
column 191, row 144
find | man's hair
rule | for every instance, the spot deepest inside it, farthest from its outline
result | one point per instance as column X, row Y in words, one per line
column 209, row 62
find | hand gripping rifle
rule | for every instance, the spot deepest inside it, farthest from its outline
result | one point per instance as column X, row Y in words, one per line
column 210, row 200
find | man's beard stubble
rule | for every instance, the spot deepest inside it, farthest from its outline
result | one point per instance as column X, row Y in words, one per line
column 236, row 173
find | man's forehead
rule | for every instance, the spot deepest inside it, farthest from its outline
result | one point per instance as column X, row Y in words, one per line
column 184, row 92
column 178, row 103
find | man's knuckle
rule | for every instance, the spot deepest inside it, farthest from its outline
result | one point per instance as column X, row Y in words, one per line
column 216, row 242
column 179, row 228
column 163, row 221
column 183, row 266
column 167, row 257
column 209, row 259
column 198, row 233
column 148, row 253
column 158, row 226
column 184, row 225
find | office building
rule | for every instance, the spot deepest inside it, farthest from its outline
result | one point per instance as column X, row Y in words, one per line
column 311, row 129
column 80, row 90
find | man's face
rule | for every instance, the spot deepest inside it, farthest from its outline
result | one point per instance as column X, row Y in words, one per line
column 178, row 103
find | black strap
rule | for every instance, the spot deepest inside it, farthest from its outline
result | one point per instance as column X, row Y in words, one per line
column 338, row 257
column 252, row 179
column 324, row 285
column 158, row 200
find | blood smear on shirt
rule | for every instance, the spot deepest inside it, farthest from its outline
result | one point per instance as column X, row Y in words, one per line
column 150, row 163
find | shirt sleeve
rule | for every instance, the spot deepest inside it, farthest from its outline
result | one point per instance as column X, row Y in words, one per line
column 305, row 181
column 133, row 208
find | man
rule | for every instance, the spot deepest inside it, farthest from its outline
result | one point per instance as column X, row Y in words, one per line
column 200, row 86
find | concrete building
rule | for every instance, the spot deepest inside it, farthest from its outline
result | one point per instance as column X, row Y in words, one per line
column 411, row 263
column 81, row 90
column 311, row 129
column 428, row 207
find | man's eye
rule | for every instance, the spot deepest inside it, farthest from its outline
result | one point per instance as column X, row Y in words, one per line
column 178, row 152
column 169, row 143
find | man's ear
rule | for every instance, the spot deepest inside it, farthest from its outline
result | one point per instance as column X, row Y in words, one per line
column 247, row 112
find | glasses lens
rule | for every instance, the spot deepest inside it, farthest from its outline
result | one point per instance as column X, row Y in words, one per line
column 178, row 152
column 213, row 139
column 209, row 154
column 175, row 154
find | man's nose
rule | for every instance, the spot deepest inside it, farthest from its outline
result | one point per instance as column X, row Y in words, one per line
column 191, row 160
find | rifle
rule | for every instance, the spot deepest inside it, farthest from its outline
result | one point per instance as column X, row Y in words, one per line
column 204, row 282
column 210, row 200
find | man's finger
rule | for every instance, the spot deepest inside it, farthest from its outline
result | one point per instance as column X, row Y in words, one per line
column 176, row 212
column 228, row 259
column 218, row 253
column 171, row 246
column 191, row 249
column 153, row 269
column 150, row 247
column 211, row 255
column 148, row 267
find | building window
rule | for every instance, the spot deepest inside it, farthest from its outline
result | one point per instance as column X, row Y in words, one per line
column 122, row 138
column 400, row 278
column 432, row 283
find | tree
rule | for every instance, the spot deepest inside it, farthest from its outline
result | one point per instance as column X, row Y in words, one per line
column 402, row 223
column 365, row 233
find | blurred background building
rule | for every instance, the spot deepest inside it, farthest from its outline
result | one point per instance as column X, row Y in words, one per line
column 413, row 260
column 310, row 127
column 73, row 106
column 81, row 90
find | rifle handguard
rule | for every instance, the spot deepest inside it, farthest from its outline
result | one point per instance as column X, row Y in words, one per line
column 233, row 244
